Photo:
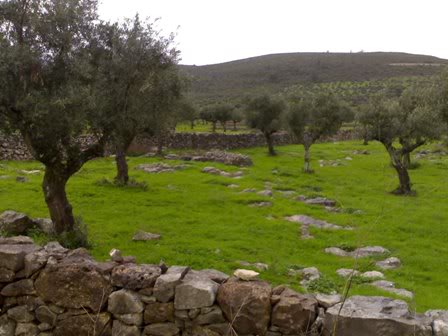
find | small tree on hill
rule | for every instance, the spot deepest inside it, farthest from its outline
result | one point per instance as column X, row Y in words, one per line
column 47, row 70
column 265, row 114
column 312, row 118
column 402, row 126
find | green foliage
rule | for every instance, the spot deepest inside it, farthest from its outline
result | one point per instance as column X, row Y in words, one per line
column 265, row 113
column 323, row 285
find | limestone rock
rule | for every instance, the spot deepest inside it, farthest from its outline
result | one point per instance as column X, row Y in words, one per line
column 211, row 315
column 214, row 275
column 159, row 312
column 267, row 193
column 372, row 275
column 346, row 272
column 439, row 320
column 12, row 257
column 259, row 266
column 145, row 236
column 251, row 299
column 294, row 314
column 26, row 329
column 246, row 275
column 125, row 302
column 320, row 224
column 389, row 263
column 73, row 285
column 17, row 240
column 166, row 283
column 7, row 326
column 15, row 223
column 389, row 286
column 195, row 293
column 373, row 316
column 361, row 252
column 115, row 255
column 135, row 276
column 21, row 314
column 328, row 300
column 309, row 274
column 45, row 225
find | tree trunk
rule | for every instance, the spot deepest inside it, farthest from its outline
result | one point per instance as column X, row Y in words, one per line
column 270, row 143
column 234, row 125
column 192, row 124
column 398, row 158
column 122, row 166
column 159, row 146
column 366, row 141
column 213, row 126
column 61, row 211
column 224, row 126
column 407, row 160
column 307, row 159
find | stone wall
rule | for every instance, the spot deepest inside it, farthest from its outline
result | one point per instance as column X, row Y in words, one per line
column 12, row 147
column 52, row 291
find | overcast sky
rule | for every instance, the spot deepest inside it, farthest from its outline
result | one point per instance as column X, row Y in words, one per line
column 215, row 31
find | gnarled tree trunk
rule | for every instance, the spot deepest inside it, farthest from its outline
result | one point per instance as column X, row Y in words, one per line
column 398, row 158
column 270, row 143
column 307, row 159
column 122, row 166
column 61, row 212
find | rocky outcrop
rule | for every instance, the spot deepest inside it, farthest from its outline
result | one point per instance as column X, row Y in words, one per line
column 53, row 291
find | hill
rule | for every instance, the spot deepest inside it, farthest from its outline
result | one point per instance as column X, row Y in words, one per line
column 272, row 73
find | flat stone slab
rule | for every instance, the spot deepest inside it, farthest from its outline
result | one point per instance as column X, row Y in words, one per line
column 216, row 171
column 156, row 168
column 374, row 316
column 145, row 236
column 259, row 266
column 320, row 224
column 346, row 272
column 322, row 201
column 361, row 252
column 260, row 204
column 389, row 263
column 246, row 275
column 389, row 286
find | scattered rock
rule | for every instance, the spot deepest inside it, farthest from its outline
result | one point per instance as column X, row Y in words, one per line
column 347, row 272
column 260, row 204
column 115, row 255
column 317, row 201
column 309, row 274
column 389, row 263
column 145, row 236
column 156, row 168
column 249, row 190
column 372, row 275
column 320, row 224
column 373, row 316
column 233, row 186
column 246, row 275
column 361, row 152
column 45, row 225
column 267, row 193
column 389, row 286
column 216, row 171
column 361, row 252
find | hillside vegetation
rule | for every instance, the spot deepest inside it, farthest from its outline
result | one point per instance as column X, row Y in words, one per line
column 272, row 73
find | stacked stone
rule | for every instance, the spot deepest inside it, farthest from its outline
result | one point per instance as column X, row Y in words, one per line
column 53, row 291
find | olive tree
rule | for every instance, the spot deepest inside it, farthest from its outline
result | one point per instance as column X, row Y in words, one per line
column 237, row 116
column 188, row 112
column 265, row 114
column 48, row 63
column 312, row 118
column 402, row 125
column 131, row 85
column 220, row 112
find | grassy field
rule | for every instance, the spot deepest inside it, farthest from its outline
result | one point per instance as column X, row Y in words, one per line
column 205, row 224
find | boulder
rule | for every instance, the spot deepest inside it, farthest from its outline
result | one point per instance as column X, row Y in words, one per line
column 294, row 314
column 196, row 293
column 17, row 240
column 328, row 300
column 159, row 312
column 132, row 276
column 210, row 315
column 12, row 257
column 84, row 325
column 45, row 225
column 121, row 329
column 247, row 304
column 26, row 329
column 373, row 316
column 439, row 320
column 21, row 314
column 165, row 286
column 73, row 285
column 125, row 302
column 15, row 223
column 214, row 275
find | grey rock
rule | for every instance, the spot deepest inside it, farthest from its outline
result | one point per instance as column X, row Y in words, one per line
column 78, row 325
column 267, row 193
column 115, row 255
column 439, row 320
column 320, row 224
column 17, row 240
column 19, row 288
column 132, row 276
column 373, row 316
column 328, row 301
column 145, row 236
column 389, row 263
column 361, row 252
column 195, row 294
column 125, row 302
column 45, row 225
column 159, row 312
column 372, row 275
column 45, row 315
column 26, row 329
column 6, row 275
column 347, row 272
column 7, row 326
column 212, row 315
column 165, row 286
column 214, row 275
column 15, row 223
column 389, row 286
column 321, row 201
column 260, row 204
column 130, row 319
column 12, row 257
column 309, row 274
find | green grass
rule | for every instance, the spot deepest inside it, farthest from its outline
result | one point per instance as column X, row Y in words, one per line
column 204, row 224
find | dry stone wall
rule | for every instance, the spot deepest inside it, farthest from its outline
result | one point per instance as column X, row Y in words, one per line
column 52, row 291
column 12, row 147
